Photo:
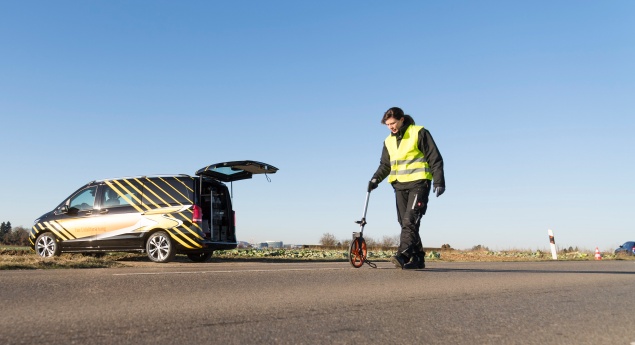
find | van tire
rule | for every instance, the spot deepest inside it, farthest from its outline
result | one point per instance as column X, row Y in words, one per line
column 160, row 247
column 46, row 245
column 200, row 257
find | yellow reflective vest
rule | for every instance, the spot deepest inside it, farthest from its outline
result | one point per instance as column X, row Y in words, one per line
column 407, row 163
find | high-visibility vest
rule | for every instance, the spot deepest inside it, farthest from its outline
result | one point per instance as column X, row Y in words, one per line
column 407, row 163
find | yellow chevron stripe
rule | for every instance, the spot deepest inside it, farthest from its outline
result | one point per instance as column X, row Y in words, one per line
column 68, row 233
column 155, row 194
column 135, row 198
column 195, row 224
column 181, row 242
column 193, row 233
column 176, row 190
column 139, row 192
column 62, row 229
column 125, row 191
column 55, row 231
column 33, row 231
column 196, row 244
column 114, row 185
column 186, row 186
column 159, row 188
column 187, row 228
column 196, row 235
column 189, row 218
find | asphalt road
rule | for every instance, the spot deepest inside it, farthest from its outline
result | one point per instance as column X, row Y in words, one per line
column 590, row 302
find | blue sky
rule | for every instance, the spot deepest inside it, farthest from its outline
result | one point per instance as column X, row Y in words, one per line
column 531, row 104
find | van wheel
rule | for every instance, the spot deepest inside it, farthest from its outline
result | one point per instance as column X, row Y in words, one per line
column 46, row 245
column 160, row 247
column 199, row 257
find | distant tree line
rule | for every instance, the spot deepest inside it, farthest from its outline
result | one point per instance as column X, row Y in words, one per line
column 18, row 236
column 329, row 240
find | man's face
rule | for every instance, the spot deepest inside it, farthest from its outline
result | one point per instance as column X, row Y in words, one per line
column 394, row 125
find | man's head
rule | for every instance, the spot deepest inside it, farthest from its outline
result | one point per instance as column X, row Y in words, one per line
column 393, row 118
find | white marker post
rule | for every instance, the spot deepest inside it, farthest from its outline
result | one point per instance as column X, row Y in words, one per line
column 552, row 241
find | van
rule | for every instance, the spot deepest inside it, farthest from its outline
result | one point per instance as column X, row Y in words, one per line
column 159, row 215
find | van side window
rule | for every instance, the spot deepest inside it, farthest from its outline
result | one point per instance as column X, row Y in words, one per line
column 114, row 198
column 84, row 200
column 121, row 192
column 110, row 197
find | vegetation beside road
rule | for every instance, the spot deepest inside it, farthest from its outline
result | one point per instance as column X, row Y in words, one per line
column 12, row 258
column 15, row 253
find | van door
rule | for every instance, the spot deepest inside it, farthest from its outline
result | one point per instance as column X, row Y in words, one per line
column 80, row 222
column 118, row 204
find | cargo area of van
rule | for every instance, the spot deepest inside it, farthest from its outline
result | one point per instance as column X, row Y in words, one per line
column 218, row 217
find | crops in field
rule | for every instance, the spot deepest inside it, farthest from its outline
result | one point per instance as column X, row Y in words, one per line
column 298, row 254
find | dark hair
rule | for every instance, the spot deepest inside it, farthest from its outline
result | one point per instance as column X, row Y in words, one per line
column 394, row 112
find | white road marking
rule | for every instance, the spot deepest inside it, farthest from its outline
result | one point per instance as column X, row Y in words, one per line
column 231, row 271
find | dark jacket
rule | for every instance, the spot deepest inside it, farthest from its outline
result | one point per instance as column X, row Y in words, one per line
column 430, row 151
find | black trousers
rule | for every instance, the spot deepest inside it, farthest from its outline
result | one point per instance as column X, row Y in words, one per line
column 411, row 206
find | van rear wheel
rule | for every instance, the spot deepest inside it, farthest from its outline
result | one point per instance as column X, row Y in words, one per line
column 46, row 245
column 160, row 247
column 200, row 257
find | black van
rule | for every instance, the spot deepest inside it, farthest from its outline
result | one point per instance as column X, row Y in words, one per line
column 159, row 215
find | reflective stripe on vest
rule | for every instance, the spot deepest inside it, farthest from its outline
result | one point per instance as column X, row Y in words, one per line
column 407, row 163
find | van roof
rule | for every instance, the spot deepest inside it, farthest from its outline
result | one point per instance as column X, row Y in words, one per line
column 141, row 176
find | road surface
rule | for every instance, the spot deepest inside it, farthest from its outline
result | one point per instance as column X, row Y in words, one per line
column 586, row 302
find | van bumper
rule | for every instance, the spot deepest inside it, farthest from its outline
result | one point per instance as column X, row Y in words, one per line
column 209, row 246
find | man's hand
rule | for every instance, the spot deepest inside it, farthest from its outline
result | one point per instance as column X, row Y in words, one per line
column 438, row 190
column 372, row 184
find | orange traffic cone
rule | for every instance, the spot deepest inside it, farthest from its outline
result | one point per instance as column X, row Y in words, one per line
column 598, row 256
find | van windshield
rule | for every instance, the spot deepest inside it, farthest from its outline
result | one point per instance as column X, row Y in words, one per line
column 84, row 200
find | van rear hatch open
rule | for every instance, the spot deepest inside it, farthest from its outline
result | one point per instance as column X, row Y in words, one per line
column 237, row 170
column 218, row 217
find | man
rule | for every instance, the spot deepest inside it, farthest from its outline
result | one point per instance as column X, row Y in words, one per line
column 411, row 161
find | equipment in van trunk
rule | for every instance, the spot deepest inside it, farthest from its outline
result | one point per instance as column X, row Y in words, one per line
column 159, row 215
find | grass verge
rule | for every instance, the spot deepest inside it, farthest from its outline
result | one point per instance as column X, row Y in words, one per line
column 21, row 259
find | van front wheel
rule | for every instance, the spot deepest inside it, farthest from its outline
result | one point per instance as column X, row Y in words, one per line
column 160, row 247
column 46, row 245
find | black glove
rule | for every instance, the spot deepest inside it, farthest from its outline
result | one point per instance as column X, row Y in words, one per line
column 439, row 190
column 372, row 184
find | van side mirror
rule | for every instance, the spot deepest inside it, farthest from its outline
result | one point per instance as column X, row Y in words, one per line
column 62, row 209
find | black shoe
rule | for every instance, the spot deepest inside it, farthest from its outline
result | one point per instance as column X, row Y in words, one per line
column 398, row 260
column 417, row 261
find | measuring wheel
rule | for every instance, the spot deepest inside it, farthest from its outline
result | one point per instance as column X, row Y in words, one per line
column 357, row 252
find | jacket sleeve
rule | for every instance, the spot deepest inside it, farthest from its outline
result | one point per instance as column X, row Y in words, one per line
column 433, row 156
column 384, row 166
